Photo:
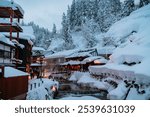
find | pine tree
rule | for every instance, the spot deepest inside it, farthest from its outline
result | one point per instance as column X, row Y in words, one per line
column 73, row 14
column 144, row 2
column 66, row 33
column 54, row 31
column 89, row 28
column 128, row 7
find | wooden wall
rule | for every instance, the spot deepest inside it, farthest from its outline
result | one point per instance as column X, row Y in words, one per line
column 12, row 87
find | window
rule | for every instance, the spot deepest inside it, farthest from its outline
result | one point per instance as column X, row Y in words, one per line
column 4, row 54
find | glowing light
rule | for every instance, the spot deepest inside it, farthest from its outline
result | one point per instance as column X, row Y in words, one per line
column 97, row 62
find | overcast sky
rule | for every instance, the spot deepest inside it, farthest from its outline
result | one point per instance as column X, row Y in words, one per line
column 44, row 12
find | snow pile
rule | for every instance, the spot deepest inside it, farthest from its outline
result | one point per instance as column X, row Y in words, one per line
column 72, row 63
column 12, row 72
column 76, row 76
column 80, row 98
column 128, row 59
column 40, row 89
column 85, row 78
column 92, row 58
column 134, row 95
column 118, row 93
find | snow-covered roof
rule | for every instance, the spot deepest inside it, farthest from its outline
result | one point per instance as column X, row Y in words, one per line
column 12, row 72
column 27, row 34
column 79, row 54
column 72, row 63
column 38, row 49
column 92, row 58
column 6, row 40
column 64, row 53
column 14, row 6
column 105, row 50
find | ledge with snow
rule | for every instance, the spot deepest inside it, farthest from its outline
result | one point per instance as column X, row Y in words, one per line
column 13, row 83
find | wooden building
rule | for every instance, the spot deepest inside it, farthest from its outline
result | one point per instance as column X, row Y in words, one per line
column 13, row 82
column 54, row 60
column 37, row 62
column 10, row 15
column 82, row 54
column 24, row 45
column 83, row 65
column 7, row 50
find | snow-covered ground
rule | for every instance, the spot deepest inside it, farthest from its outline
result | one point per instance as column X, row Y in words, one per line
column 79, row 98
column 130, row 60
column 41, row 89
column 86, row 79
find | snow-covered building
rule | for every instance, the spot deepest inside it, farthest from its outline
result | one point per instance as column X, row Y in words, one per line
column 13, row 82
column 105, row 51
column 24, row 46
column 10, row 15
column 7, row 49
column 42, row 89
column 37, row 62
column 82, row 54
column 53, row 61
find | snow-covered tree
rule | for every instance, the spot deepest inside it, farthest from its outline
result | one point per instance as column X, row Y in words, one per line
column 128, row 7
column 66, row 34
column 89, row 29
column 54, row 31
column 144, row 2
column 108, row 13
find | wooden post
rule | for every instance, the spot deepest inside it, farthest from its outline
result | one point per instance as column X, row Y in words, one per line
column 2, row 71
column 11, row 20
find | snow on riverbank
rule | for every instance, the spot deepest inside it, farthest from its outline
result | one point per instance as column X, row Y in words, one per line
column 41, row 89
column 79, row 98
column 86, row 79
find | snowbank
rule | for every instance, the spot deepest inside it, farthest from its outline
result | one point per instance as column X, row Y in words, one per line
column 12, row 72
column 85, row 78
column 118, row 93
column 40, row 89
column 80, row 98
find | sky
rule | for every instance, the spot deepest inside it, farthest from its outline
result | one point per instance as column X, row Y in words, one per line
column 44, row 12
